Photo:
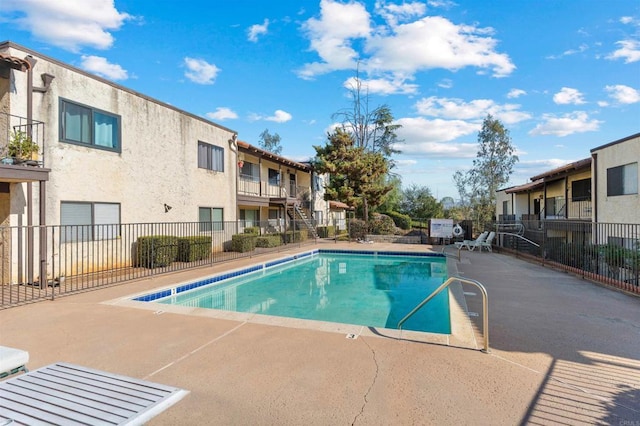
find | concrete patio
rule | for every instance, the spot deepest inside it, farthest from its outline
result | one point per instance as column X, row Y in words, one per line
column 563, row 351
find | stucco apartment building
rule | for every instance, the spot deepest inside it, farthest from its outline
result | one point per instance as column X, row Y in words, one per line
column 602, row 188
column 107, row 155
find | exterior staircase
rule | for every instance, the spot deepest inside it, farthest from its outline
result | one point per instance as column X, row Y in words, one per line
column 302, row 217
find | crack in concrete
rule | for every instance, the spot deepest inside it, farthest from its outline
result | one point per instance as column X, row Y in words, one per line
column 373, row 382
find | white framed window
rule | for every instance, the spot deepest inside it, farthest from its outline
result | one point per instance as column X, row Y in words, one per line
column 622, row 180
column 84, row 125
column 87, row 221
column 210, row 157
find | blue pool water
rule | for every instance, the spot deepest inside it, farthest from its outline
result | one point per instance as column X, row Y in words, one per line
column 363, row 289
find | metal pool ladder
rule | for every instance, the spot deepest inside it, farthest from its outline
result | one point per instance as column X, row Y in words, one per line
column 447, row 283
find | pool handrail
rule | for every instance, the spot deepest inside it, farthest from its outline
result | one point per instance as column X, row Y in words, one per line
column 447, row 283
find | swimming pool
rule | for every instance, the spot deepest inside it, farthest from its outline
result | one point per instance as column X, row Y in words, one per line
column 375, row 289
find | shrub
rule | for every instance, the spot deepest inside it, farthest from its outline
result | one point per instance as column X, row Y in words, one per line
column 326, row 231
column 295, row 236
column 243, row 243
column 191, row 249
column 157, row 250
column 269, row 241
column 382, row 224
column 254, row 230
column 357, row 229
column 402, row 221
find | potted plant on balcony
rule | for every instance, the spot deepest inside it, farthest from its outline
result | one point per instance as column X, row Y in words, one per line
column 22, row 148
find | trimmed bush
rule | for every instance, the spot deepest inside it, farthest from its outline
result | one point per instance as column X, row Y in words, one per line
column 326, row 231
column 254, row 230
column 269, row 241
column 243, row 243
column 157, row 250
column 402, row 221
column 357, row 229
column 295, row 236
column 382, row 224
column 191, row 249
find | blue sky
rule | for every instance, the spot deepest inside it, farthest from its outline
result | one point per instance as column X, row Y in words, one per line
column 562, row 76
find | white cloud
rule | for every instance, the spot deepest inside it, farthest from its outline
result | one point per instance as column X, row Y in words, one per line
column 222, row 113
column 68, row 24
column 257, row 30
column 629, row 51
column 102, row 67
column 575, row 122
column 331, row 36
column 383, row 86
column 432, row 138
column 627, row 20
column 436, row 42
column 446, row 83
column 477, row 109
column 398, row 49
column 279, row 116
column 200, row 71
column 567, row 95
column 393, row 13
column 515, row 93
column 623, row 94
column 603, row 104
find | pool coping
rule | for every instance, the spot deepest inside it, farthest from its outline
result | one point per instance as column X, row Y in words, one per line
column 462, row 333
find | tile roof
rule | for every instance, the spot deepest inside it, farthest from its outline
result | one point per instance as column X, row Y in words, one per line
column 14, row 63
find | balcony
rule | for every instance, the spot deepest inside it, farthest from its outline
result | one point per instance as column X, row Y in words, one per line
column 21, row 149
column 251, row 187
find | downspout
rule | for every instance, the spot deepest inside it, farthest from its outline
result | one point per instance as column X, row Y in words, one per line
column 566, row 197
column 30, row 242
column 594, row 195
column 42, row 198
column 233, row 146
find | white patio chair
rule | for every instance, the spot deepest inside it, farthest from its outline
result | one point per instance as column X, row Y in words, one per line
column 471, row 244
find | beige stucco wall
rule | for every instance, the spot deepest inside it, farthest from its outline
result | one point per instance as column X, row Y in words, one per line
column 158, row 163
column 620, row 208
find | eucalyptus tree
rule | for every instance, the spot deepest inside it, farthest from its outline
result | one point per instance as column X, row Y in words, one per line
column 491, row 169
column 270, row 142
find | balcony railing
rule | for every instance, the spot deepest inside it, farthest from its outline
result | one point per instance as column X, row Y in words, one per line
column 252, row 185
column 579, row 209
column 21, row 141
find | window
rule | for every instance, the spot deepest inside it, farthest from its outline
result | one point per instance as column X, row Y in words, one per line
column 208, row 216
column 249, row 218
column 554, row 206
column 86, row 221
column 250, row 171
column 581, row 190
column 274, row 177
column 210, row 157
column 622, row 180
column 84, row 125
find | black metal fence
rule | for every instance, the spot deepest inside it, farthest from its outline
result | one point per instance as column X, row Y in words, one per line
column 604, row 252
column 39, row 262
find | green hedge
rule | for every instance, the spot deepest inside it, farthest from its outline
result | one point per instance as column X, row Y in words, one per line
column 254, row 230
column 381, row 224
column 357, row 229
column 402, row 221
column 326, row 231
column 295, row 236
column 243, row 243
column 157, row 250
column 191, row 249
column 269, row 241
